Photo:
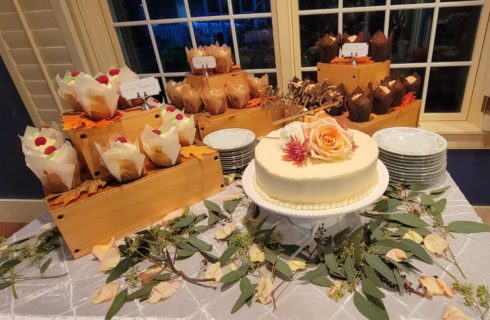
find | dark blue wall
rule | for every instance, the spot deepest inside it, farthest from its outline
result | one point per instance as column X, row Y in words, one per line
column 471, row 171
column 16, row 180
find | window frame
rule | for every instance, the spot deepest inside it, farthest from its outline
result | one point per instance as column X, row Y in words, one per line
column 436, row 5
column 231, row 17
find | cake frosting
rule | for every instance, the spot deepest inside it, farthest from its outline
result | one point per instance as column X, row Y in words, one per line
column 319, row 182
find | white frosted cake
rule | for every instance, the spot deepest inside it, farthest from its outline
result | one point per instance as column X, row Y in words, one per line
column 315, row 165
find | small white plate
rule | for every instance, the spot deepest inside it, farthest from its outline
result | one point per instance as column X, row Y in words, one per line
column 229, row 139
column 410, row 141
column 414, row 166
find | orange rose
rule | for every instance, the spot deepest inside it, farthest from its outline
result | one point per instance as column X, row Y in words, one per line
column 328, row 140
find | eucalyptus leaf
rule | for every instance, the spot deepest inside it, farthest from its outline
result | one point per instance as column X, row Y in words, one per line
column 236, row 274
column 45, row 265
column 283, row 268
column 117, row 304
column 369, row 309
column 371, row 275
column 377, row 264
column 184, row 254
column 386, row 205
column 227, row 254
column 467, row 227
column 212, row 206
column 407, row 219
column 142, row 293
column 332, row 264
column 399, row 282
column 122, row 267
column 212, row 218
column 187, row 246
column 321, row 270
column 381, row 249
column 426, row 200
column 438, row 207
column 247, row 291
column 408, row 246
column 163, row 277
column 200, row 218
column 350, row 271
column 200, row 244
column 7, row 265
column 230, row 205
column 369, row 288
column 322, row 281
column 418, row 186
column 4, row 285
column 184, row 222
column 440, row 190
column 210, row 257
column 357, row 251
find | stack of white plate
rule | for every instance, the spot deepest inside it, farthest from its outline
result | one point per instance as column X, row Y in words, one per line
column 236, row 147
column 412, row 155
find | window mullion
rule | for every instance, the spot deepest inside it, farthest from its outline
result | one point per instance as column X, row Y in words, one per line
column 387, row 18
column 340, row 19
column 233, row 33
column 189, row 23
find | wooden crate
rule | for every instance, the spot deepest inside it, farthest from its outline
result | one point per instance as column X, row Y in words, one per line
column 119, row 210
column 352, row 77
column 130, row 125
column 409, row 117
column 256, row 119
column 217, row 80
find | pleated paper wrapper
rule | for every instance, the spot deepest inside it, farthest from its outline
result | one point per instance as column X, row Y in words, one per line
column 162, row 149
column 66, row 90
column 125, row 74
column 186, row 127
column 99, row 101
column 214, row 100
column 174, row 90
column 258, row 86
column 53, row 136
column 192, row 99
column 238, row 94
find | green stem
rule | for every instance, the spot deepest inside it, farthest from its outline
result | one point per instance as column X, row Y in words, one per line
column 43, row 277
column 449, row 273
column 455, row 262
column 12, row 283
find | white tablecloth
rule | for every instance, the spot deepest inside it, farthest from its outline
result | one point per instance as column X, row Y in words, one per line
column 69, row 297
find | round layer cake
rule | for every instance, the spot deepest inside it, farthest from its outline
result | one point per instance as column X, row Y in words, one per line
column 318, row 184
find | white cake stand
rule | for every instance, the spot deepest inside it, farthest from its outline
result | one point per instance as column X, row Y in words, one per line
column 313, row 219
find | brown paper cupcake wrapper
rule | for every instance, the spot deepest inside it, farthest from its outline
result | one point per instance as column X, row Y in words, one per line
column 128, row 170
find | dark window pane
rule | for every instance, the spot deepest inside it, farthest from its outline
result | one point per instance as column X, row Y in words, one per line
column 126, row 10
column 312, row 75
column 395, row 73
column 363, row 3
column 410, row 1
column 158, row 9
column 247, row 6
column 313, row 28
column 272, row 78
column 317, row 4
column 455, row 34
column 364, row 21
column 211, row 31
column 446, row 89
column 171, row 40
column 200, row 8
column 162, row 92
column 137, row 49
column 411, row 33
column 255, row 43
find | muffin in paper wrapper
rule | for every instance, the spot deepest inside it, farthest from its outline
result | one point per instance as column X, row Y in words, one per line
column 47, row 137
column 192, row 99
column 238, row 94
column 116, row 77
column 161, row 146
column 329, row 47
column 174, row 90
column 361, row 37
column 59, row 171
column 123, row 159
column 380, row 46
column 99, row 100
column 66, row 89
column 412, row 82
column 193, row 53
column 258, row 86
column 359, row 106
column 222, row 54
column 382, row 99
column 214, row 100
column 398, row 89
column 185, row 125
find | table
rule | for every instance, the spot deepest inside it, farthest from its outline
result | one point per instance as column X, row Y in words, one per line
column 69, row 297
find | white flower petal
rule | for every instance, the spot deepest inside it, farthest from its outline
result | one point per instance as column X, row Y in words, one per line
column 105, row 293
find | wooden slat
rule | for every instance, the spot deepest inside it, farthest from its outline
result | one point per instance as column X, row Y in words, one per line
column 49, row 37
column 56, row 55
column 50, row 115
column 33, row 5
column 37, row 87
column 60, row 69
column 41, row 19
column 44, row 102
column 6, row 6
column 31, row 72
column 23, row 56
column 10, row 22
column 16, row 39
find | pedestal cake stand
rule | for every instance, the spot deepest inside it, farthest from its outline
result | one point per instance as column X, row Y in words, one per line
column 313, row 219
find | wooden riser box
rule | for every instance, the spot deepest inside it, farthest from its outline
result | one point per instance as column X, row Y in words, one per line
column 352, row 77
column 130, row 125
column 258, row 120
column 119, row 210
column 409, row 117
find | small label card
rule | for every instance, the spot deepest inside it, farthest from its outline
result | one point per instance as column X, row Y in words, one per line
column 204, row 62
column 355, row 49
column 140, row 88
